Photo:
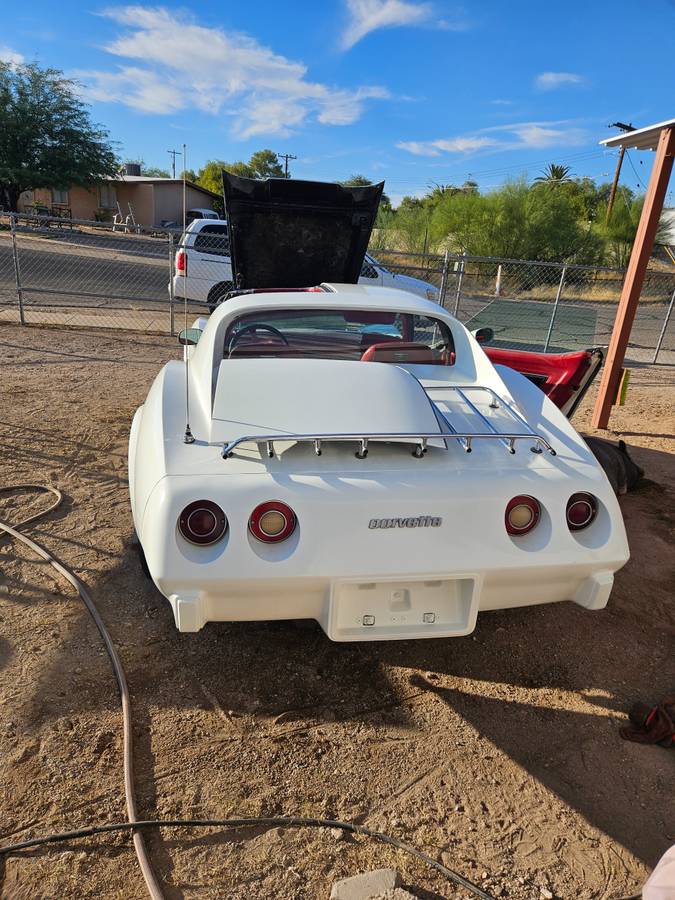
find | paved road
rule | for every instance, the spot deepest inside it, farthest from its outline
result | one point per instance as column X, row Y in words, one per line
column 93, row 273
column 524, row 324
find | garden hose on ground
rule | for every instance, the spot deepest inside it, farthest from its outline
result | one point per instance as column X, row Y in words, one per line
column 135, row 825
column 139, row 843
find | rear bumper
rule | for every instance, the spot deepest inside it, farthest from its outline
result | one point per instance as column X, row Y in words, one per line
column 190, row 287
column 361, row 583
column 390, row 608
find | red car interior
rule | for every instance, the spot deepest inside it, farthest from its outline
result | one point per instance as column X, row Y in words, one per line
column 559, row 375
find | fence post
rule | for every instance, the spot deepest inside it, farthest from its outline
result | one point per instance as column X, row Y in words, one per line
column 665, row 326
column 17, row 269
column 555, row 308
column 444, row 280
column 172, row 328
column 460, row 279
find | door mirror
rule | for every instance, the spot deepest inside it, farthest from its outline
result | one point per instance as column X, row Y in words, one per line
column 189, row 336
column 483, row 335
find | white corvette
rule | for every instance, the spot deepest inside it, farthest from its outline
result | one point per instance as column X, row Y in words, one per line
column 353, row 456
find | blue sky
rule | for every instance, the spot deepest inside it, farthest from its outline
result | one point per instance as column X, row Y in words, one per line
column 411, row 92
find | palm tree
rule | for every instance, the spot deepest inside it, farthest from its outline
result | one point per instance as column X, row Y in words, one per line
column 554, row 174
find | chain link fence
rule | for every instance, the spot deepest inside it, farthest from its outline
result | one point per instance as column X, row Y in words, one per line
column 548, row 307
column 86, row 274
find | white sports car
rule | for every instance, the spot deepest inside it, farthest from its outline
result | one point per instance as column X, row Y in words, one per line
column 353, row 456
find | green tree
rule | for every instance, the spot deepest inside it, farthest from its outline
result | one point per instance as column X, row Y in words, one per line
column 619, row 233
column 154, row 172
column 262, row 164
column 554, row 174
column 517, row 222
column 362, row 181
column 413, row 229
column 190, row 175
column 47, row 139
column 356, row 181
column 210, row 176
column 586, row 195
column 265, row 164
column 411, row 203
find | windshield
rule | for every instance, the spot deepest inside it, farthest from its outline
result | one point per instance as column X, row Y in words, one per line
column 369, row 335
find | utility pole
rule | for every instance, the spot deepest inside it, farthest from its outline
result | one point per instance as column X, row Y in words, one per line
column 173, row 154
column 619, row 162
column 285, row 157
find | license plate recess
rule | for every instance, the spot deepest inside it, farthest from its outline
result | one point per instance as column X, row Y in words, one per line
column 387, row 609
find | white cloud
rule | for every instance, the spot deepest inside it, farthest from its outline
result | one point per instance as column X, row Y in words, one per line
column 518, row 136
column 549, row 81
column 171, row 63
column 540, row 136
column 501, row 102
column 370, row 15
column 8, row 55
column 467, row 144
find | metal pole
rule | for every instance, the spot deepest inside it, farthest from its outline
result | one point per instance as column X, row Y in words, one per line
column 172, row 328
column 17, row 269
column 444, row 280
column 665, row 326
column 460, row 279
column 555, row 308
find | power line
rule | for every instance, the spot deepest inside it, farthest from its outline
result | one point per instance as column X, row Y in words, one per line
column 637, row 177
column 286, row 157
column 494, row 172
column 173, row 154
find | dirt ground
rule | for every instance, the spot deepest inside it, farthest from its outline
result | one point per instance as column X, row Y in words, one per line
column 497, row 753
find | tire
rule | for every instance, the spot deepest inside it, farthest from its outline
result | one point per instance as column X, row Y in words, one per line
column 218, row 293
column 144, row 563
column 136, row 546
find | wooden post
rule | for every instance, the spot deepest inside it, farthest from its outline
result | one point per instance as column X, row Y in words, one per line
column 615, row 183
column 635, row 274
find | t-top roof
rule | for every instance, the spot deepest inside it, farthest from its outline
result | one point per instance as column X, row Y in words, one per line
column 641, row 139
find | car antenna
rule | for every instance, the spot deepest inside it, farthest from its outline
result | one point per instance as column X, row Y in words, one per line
column 188, row 437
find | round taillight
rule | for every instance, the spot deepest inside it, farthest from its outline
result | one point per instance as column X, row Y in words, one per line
column 522, row 514
column 202, row 522
column 272, row 522
column 581, row 510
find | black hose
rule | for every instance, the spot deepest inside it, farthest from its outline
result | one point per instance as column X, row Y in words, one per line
column 271, row 821
column 134, row 824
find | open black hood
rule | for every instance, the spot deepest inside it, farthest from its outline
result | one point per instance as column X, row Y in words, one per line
column 289, row 233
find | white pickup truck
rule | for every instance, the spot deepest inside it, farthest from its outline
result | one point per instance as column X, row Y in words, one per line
column 203, row 269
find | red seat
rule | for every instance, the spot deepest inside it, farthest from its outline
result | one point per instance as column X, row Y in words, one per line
column 399, row 352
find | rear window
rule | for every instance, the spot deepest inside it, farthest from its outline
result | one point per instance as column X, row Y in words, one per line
column 213, row 239
column 371, row 335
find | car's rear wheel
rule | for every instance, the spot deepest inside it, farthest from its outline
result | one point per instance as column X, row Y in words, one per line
column 143, row 562
column 138, row 548
column 218, row 293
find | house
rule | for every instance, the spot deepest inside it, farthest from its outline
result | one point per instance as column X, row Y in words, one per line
column 151, row 201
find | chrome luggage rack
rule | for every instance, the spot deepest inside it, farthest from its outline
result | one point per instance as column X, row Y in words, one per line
column 447, row 431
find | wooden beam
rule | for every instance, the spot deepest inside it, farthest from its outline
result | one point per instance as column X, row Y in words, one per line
column 635, row 275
